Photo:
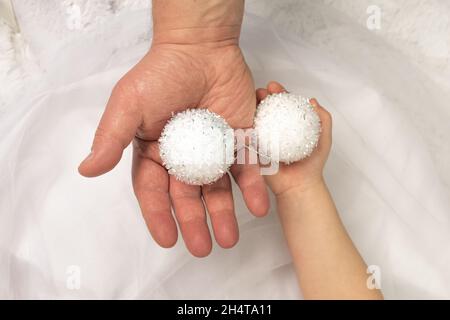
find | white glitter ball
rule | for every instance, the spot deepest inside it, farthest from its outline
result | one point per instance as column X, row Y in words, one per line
column 197, row 146
column 287, row 128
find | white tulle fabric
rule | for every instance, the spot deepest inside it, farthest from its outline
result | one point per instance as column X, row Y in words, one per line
column 382, row 171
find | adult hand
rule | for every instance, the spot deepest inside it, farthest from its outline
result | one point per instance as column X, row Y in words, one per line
column 195, row 63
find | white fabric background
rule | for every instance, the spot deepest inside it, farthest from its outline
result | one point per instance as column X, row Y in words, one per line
column 389, row 169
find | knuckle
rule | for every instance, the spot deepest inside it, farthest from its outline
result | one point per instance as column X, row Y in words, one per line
column 101, row 133
column 190, row 218
column 124, row 88
column 178, row 195
column 106, row 137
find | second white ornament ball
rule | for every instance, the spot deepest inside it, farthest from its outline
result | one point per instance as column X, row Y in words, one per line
column 287, row 128
column 197, row 146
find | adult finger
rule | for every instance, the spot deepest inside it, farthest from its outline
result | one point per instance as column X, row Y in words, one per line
column 151, row 187
column 191, row 217
column 219, row 202
column 247, row 175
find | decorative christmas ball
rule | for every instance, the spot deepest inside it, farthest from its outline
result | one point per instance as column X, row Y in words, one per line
column 197, row 146
column 287, row 128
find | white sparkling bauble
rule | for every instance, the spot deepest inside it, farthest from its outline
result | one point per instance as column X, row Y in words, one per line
column 197, row 146
column 287, row 128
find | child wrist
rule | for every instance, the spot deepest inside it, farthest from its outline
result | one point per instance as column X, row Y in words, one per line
column 301, row 191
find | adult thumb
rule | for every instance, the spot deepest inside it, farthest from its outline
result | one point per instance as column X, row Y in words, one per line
column 114, row 133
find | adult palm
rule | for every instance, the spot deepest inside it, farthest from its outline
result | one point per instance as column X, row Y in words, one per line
column 171, row 78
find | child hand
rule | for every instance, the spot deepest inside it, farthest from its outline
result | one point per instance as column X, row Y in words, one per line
column 315, row 235
column 307, row 173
